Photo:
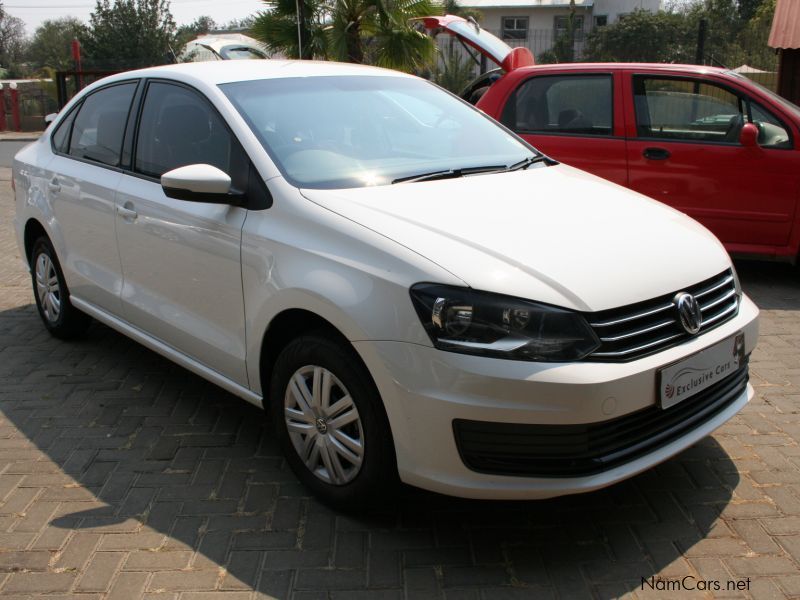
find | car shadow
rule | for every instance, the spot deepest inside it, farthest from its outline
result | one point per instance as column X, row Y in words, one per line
column 184, row 476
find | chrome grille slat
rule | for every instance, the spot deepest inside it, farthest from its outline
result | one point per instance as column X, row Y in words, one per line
column 634, row 331
column 637, row 348
column 727, row 281
column 718, row 300
column 638, row 332
column 632, row 317
column 731, row 309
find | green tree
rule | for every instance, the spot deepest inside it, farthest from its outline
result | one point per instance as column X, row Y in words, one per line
column 186, row 33
column 12, row 43
column 643, row 36
column 51, row 43
column 130, row 33
column 360, row 31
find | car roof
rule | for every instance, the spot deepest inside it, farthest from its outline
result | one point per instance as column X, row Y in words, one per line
column 691, row 69
column 227, row 71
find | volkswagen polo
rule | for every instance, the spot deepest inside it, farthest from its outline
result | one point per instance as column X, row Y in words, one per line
column 410, row 288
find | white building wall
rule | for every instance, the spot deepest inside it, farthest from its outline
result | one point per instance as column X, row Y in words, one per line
column 614, row 8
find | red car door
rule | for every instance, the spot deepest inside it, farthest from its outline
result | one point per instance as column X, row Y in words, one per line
column 570, row 115
column 685, row 149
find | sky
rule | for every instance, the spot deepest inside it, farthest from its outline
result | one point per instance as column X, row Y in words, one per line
column 33, row 12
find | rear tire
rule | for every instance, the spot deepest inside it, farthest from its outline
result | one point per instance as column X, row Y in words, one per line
column 52, row 296
column 330, row 422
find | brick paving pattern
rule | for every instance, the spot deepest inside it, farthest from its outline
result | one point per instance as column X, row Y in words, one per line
column 125, row 476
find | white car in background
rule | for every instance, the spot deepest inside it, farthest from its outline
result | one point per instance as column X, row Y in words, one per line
column 222, row 46
column 410, row 288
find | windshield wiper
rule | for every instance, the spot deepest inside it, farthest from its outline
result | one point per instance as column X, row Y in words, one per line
column 449, row 174
column 527, row 162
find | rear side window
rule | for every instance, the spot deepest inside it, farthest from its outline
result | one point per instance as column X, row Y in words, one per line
column 178, row 127
column 100, row 124
column 61, row 134
column 686, row 109
column 565, row 104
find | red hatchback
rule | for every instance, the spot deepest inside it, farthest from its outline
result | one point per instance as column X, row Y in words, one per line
column 706, row 141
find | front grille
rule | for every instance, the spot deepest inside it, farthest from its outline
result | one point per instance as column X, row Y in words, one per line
column 579, row 450
column 648, row 327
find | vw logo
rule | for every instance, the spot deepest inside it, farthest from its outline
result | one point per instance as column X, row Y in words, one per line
column 689, row 312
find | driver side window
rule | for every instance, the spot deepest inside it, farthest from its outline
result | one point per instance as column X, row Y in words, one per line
column 177, row 128
column 686, row 110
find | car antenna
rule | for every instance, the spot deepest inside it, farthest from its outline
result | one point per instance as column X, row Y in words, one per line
column 472, row 20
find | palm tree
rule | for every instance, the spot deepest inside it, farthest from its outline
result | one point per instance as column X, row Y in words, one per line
column 277, row 28
column 359, row 31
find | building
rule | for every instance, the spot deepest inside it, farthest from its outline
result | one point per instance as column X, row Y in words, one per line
column 537, row 23
column 785, row 37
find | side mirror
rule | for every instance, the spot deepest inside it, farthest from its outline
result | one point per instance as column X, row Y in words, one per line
column 50, row 118
column 200, row 183
column 748, row 136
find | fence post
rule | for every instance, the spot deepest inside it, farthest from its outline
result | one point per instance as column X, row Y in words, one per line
column 2, row 108
column 15, row 106
column 701, row 42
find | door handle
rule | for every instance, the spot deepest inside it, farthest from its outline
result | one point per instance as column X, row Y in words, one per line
column 54, row 186
column 656, row 153
column 126, row 212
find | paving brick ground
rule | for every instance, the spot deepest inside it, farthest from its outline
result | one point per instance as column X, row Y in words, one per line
column 125, row 476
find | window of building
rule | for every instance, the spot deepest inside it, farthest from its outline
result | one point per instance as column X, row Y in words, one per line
column 561, row 25
column 600, row 20
column 515, row 28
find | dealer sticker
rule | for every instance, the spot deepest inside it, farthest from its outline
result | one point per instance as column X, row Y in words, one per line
column 695, row 373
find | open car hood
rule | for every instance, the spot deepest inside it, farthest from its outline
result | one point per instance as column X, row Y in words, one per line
column 492, row 47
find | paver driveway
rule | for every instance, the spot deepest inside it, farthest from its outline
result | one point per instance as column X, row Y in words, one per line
column 125, row 476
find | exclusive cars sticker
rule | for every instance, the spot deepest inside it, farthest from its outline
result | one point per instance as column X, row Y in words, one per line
column 700, row 371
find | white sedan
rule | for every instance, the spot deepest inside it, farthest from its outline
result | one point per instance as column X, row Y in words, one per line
column 409, row 288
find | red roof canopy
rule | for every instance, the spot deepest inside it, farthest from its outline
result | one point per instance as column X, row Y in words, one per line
column 785, row 31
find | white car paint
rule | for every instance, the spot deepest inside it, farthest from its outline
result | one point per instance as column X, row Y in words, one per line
column 201, row 283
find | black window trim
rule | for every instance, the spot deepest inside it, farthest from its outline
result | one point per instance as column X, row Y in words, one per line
column 77, row 107
column 513, row 98
column 740, row 95
column 254, row 178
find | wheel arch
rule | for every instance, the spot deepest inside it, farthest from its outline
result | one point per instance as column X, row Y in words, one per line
column 292, row 323
column 33, row 231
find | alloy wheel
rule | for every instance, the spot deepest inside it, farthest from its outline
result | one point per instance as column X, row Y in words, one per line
column 48, row 288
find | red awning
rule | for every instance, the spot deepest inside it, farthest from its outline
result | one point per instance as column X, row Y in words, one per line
column 785, row 31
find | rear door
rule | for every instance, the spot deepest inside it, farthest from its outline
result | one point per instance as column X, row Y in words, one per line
column 181, row 259
column 572, row 117
column 82, row 181
column 684, row 150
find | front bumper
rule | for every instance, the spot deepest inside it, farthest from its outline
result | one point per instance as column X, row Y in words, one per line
column 425, row 390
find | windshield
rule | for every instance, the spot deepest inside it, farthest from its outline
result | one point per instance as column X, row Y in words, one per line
column 355, row 131
column 790, row 106
column 241, row 53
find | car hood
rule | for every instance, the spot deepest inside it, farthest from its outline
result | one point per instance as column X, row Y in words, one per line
column 556, row 235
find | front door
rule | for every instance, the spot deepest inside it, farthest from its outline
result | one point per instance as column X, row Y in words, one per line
column 685, row 152
column 180, row 259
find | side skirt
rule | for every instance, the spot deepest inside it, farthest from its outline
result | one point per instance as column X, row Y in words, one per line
column 168, row 352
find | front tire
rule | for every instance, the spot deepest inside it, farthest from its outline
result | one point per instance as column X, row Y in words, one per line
column 52, row 296
column 330, row 422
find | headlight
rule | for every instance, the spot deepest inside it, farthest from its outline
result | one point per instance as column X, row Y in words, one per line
column 464, row 320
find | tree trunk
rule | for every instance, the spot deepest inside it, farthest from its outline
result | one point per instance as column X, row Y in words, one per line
column 355, row 49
